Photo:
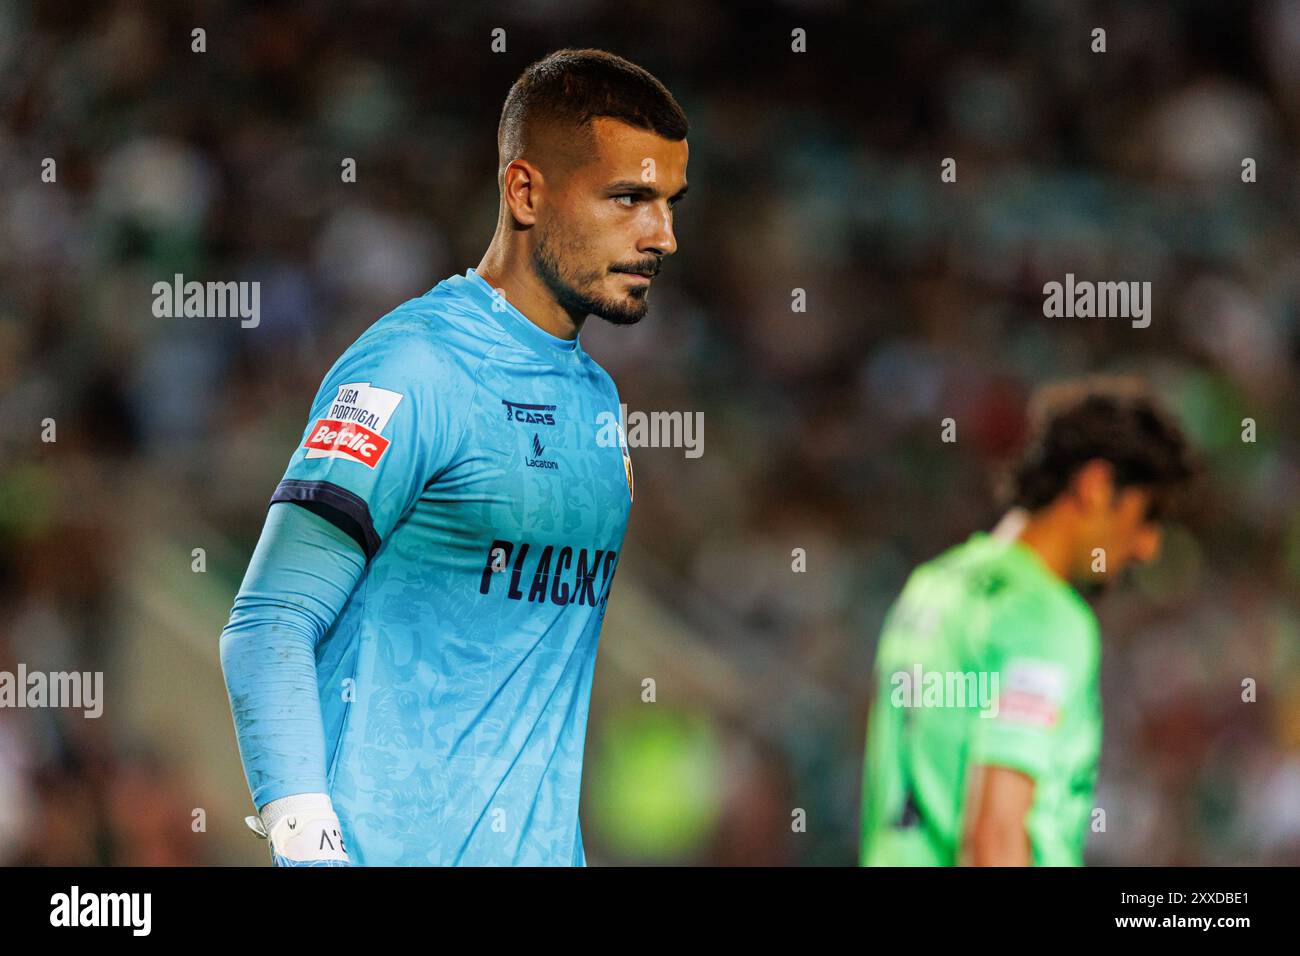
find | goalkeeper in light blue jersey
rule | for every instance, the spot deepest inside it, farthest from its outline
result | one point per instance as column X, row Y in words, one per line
column 410, row 656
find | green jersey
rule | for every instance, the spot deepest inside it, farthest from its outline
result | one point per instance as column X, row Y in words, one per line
column 986, row 658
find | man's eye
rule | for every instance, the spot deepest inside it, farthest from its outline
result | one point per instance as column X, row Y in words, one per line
column 630, row 199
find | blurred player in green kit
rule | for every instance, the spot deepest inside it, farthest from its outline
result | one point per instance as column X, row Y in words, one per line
column 983, row 739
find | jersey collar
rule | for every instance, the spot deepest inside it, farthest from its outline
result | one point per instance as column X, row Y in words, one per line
column 519, row 325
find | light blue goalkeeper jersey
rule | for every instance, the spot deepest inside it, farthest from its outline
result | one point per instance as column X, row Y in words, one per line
column 478, row 462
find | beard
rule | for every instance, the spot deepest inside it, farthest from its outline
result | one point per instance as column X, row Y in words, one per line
column 575, row 289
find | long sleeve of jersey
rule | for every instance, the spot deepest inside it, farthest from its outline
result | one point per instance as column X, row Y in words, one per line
column 302, row 572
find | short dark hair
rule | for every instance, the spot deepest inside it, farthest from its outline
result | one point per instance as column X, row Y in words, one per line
column 1113, row 419
column 570, row 88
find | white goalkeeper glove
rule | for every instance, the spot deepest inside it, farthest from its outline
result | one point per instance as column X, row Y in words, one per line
column 303, row 830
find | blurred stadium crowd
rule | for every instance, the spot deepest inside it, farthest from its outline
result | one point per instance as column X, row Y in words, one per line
column 816, row 171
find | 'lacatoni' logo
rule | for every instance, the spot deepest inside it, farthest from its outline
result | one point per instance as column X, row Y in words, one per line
column 537, row 461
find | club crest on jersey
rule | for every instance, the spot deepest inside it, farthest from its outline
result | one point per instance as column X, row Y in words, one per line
column 529, row 414
column 627, row 460
column 351, row 430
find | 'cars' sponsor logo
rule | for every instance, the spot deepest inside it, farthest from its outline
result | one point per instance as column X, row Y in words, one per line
column 529, row 414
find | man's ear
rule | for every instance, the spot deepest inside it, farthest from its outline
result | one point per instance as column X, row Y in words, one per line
column 520, row 186
column 1094, row 484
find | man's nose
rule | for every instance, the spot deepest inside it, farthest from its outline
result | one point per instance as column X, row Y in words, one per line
column 660, row 239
